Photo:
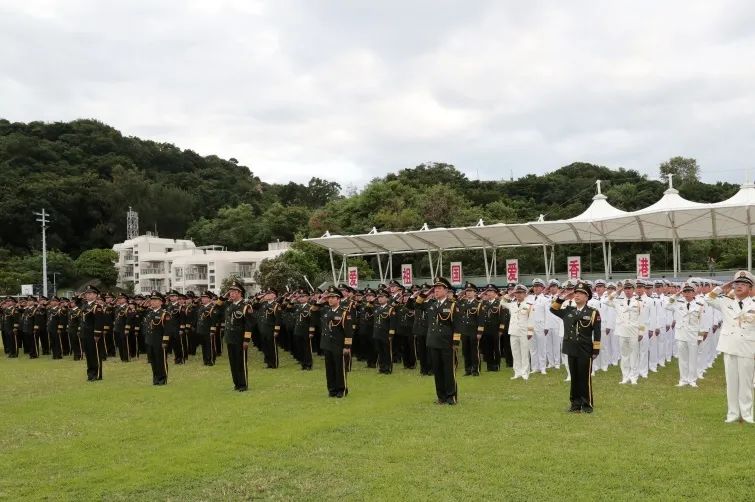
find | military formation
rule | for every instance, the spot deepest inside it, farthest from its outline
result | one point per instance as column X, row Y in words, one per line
column 576, row 327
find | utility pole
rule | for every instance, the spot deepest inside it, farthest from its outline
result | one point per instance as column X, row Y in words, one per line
column 43, row 220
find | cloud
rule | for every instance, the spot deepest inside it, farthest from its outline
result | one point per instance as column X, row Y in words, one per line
column 353, row 90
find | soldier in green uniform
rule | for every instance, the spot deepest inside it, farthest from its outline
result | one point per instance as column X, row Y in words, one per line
column 419, row 329
column 90, row 331
column 303, row 330
column 207, row 315
column 365, row 313
column 121, row 325
column 336, row 338
column 581, row 343
column 237, row 330
column 443, row 337
column 11, row 327
column 72, row 328
column 54, row 327
column 268, row 320
column 492, row 325
column 156, row 326
column 176, row 343
column 469, row 310
column 383, row 331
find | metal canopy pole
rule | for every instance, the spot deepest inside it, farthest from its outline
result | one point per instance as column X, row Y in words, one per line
column 380, row 267
column 545, row 260
column 673, row 247
column 610, row 265
column 605, row 260
column 495, row 263
column 333, row 266
column 390, row 264
column 432, row 270
column 749, row 242
column 487, row 268
column 440, row 263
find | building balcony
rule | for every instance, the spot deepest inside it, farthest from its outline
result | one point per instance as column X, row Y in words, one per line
column 153, row 271
column 194, row 277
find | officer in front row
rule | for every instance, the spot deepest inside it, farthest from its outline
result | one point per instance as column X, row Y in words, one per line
column 237, row 331
column 443, row 336
column 90, row 333
column 581, row 343
column 158, row 329
column 335, row 341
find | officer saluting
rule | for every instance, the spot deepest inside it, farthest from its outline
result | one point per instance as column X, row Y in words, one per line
column 157, row 329
column 90, row 332
column 581, row 343
column 335, row 342
column 443, row 336
column 237, row 331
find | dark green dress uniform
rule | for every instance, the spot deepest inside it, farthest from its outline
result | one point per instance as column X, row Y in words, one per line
column 156, row 326
column 108, row 335
column 419, row 330
column 469, row 311
column 383, row 331
column 336, row 336
column 237, row 332
column 30, row 330
column 74, row 320
column 365, row 320
column 268, row 321
column 90, row 331
column 207, row 321
column 581, row 344
column 303, row 333
column 54, row 328
column 186, row 326
column 123, row 316
column 405, row 333
column 443, row 337
column 11, row 329
column 493, row 321
column 177, row 343
column 40, row 321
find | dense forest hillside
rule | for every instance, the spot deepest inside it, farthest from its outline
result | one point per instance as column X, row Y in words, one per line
column 87, row 174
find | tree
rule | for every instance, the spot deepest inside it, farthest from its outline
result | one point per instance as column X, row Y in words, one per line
column 98, row 264
column 685, row 170
column 286, row 271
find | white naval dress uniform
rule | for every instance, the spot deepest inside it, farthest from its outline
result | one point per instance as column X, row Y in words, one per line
column 737, row 343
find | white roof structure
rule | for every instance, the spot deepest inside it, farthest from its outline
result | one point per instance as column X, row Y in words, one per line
column 672, row 218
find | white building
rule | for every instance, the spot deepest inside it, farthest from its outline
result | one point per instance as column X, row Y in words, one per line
column 152, row 263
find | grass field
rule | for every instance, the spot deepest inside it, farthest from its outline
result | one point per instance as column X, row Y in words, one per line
column 195, row 439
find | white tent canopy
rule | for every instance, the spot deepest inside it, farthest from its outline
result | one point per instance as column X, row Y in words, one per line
column 670, row 219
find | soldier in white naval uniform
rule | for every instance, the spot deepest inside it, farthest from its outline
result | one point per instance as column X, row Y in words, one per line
column 737, row 342
column 688, row 312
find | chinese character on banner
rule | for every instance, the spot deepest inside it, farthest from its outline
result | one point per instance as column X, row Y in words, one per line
column 574, row 267
column 456, row 273
column 512, row 270
column 643, row 266
column 406, row 275
column 353, row 277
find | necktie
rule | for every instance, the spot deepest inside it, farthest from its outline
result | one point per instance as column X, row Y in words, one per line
column 628, row 301
column 740, row 304
column 688, row 306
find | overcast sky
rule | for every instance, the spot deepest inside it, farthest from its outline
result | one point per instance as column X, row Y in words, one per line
column 352, row 90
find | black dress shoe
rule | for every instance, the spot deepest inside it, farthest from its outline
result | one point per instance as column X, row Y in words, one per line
column 586, row 409
column 451, row 401
column 574, row 409
column 440, row 401
column 339, row 395
column 467, row 373
column 243, row 389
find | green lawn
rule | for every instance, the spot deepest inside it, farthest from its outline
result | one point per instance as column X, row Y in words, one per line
column 195, row 439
